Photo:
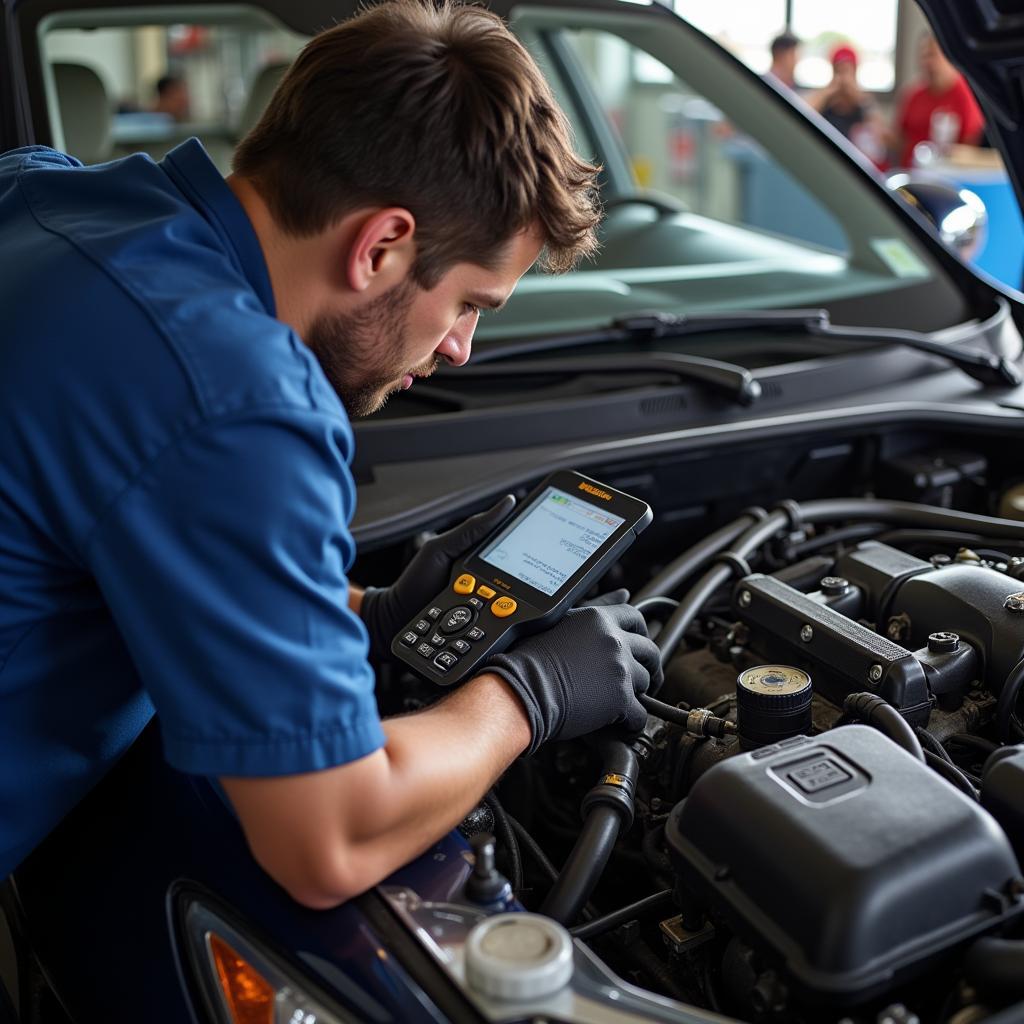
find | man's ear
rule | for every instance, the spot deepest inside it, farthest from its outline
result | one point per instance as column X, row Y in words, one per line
column 383, row 250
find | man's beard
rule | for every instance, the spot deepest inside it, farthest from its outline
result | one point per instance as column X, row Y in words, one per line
column 363, row 353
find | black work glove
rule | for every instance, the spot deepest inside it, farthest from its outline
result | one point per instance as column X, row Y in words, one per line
column 584, row 673
column 386, row 610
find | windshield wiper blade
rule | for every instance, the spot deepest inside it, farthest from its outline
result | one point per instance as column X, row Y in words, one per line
column 735, row 382
column 986, row 367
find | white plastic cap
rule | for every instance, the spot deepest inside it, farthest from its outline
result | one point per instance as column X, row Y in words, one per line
column 518, row 956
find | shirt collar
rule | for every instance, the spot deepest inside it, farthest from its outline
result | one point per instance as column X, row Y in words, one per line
column 203, row 185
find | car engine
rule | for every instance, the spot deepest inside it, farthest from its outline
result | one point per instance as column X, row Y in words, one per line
column 823, row 819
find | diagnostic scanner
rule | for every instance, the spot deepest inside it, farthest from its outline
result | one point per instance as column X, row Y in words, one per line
column 523, row 577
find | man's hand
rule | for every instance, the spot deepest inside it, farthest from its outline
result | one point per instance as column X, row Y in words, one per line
column 386, row 610
column 584, row 673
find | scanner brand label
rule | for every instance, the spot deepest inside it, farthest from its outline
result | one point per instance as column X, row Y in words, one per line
column 595, row 491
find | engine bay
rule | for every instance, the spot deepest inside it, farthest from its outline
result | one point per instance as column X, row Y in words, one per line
column 823, row 819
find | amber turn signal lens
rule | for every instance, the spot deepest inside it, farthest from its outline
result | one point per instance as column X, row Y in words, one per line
column 248, row 995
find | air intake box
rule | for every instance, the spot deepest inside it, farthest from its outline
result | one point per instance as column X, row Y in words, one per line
column 850, row 859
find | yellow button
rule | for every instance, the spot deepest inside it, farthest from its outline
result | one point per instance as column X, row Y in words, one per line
column 503, row 607
column 485, row 591
column 464, row 584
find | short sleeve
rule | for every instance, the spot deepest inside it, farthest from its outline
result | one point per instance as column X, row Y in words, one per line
column 224, row 566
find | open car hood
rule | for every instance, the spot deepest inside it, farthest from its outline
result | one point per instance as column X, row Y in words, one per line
column 985, row 40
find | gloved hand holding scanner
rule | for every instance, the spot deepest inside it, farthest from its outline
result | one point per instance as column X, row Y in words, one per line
column 521, row 576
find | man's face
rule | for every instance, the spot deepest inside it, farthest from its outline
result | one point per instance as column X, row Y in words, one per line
column 391, row 340
column 935, row 68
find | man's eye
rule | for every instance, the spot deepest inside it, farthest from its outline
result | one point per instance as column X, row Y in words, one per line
column 468, row 307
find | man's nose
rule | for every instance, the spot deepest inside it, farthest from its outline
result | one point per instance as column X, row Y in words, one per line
column 456, row 347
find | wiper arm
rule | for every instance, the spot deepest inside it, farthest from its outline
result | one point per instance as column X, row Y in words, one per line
column 986, row 367
column 736, row 382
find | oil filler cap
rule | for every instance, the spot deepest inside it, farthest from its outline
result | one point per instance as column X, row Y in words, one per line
column 773, row 703
column 517, row 957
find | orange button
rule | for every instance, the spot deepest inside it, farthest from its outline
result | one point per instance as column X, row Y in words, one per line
column 503, row 607
column 465, row 584
column 485, row 591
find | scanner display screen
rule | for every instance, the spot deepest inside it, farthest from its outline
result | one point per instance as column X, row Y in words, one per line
column 551, row 540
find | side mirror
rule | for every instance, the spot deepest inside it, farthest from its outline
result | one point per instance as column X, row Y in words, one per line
column 958, row 214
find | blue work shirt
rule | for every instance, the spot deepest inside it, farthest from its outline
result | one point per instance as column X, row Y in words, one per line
column 175, row 494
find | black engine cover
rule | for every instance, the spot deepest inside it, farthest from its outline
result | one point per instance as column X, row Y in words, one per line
column 846, row 856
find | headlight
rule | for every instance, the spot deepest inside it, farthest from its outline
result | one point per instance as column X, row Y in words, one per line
column 235, row 979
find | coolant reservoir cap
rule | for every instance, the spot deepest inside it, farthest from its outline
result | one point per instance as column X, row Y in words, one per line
column 518, row 956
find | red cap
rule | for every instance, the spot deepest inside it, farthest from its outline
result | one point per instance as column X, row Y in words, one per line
column 844, row 52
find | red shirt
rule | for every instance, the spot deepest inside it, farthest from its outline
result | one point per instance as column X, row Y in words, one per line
column 919, row 104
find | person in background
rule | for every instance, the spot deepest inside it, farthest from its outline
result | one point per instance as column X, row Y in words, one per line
column 172, row 97
column 940, row 108
column 785, row 54
column 848, row 108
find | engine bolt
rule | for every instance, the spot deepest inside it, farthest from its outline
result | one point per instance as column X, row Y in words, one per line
column 1014, row 603
column 834, row 586
column 943, row 643
column 875, row 673
column 807, row 634
column 745, row 598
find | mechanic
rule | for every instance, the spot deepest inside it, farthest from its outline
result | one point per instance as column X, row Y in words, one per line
column 179, row 359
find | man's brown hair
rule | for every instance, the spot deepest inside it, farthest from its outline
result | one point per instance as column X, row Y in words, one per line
column 436, row 108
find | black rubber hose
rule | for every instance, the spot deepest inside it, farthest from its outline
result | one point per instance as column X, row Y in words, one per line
column 978, row 743
column 996, row 967
column 842, row 535
column 600, row 925
column 941, row 538
column 1008, row 697
column 666, row 712
column 693, row 559
column 885, row 718
column 504, row 834
column 587, row 859
column 584, row 866
column 717, row 576
column 951, row 774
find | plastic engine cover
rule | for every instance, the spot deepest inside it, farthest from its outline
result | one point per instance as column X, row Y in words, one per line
column 844, row 854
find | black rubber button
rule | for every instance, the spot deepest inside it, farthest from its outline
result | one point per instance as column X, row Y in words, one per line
column 445, row 661
column 410, row 638
column 457, row 620
column 425, row 651
column 476, row 633
column 437, row 640
column 434, row 613
column 461, row 646
column 421, row 626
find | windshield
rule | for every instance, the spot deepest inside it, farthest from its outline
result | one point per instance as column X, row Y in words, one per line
column 717, row 197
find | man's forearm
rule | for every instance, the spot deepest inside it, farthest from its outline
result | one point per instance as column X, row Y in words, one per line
column 326, row 836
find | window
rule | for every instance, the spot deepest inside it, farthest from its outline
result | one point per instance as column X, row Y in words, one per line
column 215, row 81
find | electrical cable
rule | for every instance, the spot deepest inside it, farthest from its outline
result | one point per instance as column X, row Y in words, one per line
column 932, row 744
column 873, row 711
column 600, row 925
column 505, row 835
column 531, row 844
column 951, row 773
